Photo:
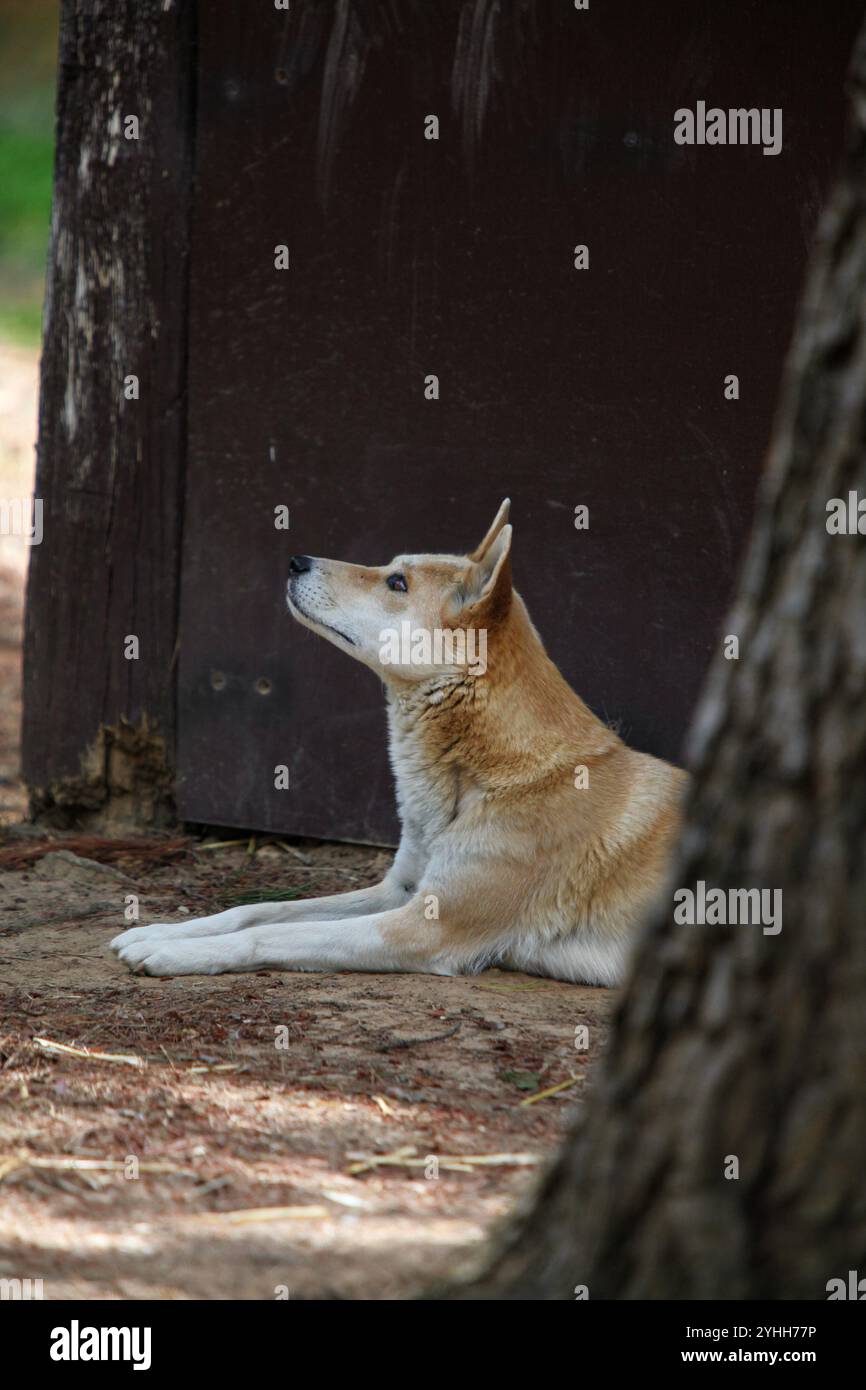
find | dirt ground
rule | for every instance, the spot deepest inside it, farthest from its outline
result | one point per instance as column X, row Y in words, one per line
column 255, row 1091
column 226, row 1144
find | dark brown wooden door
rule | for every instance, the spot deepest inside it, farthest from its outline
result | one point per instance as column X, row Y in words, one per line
column 558, row 386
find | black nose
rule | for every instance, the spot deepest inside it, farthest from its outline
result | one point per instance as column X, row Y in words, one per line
column 299, row 564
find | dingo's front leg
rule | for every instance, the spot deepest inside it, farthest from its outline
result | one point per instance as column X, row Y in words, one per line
column 396, row 888
column 377, row 898
column 401, row 939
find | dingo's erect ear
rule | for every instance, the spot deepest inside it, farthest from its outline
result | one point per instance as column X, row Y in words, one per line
column 498, row 523
column 494, row 600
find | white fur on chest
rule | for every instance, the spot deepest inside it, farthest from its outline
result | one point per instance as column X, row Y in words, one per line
column 428, row 792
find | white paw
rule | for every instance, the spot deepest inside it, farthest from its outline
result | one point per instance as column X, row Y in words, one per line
column 164, row 931
column 203, row 955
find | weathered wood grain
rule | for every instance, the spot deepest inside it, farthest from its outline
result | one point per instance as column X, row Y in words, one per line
column 559, row 387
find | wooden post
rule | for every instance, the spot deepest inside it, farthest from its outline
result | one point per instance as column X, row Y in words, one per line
column 98, row 736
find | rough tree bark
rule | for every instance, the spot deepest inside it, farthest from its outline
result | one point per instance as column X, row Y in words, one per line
column 99, row 729
column 729, row 1041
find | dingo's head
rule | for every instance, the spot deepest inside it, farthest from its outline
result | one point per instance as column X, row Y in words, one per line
column 419, row 616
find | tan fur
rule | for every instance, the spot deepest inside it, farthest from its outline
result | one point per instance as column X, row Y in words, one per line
column 502, row 859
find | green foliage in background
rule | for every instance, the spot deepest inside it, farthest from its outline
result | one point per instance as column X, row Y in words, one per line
column 28, row 61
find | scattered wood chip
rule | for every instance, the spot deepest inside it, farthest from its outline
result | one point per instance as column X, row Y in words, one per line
column 364, row 1163
column 405, row 1157
column 248, row 1216
column 221, row 844
column 9, row 1163
column 65, row 1050
column 346, row 1199
column 290, row 849
column 219, row 1066
column 383, row 1105
column 550, row 1091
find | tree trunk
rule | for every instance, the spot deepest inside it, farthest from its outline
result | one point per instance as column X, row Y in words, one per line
column 98, row 733
column 729, row 1041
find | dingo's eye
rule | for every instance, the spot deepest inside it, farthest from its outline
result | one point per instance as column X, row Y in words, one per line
column 397, row 582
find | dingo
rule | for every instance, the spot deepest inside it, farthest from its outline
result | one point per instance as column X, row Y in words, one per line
column 532, row 837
